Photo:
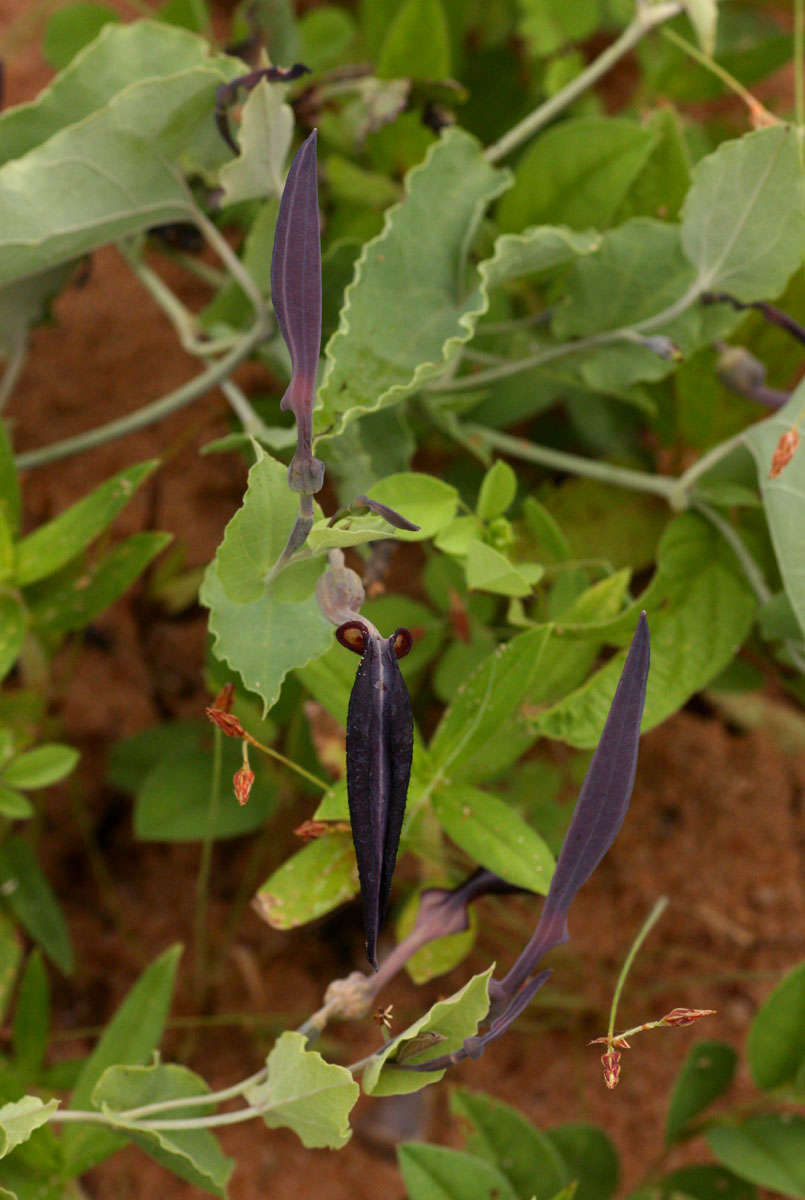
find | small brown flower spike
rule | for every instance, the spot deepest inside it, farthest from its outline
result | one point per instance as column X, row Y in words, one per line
column 786, row 448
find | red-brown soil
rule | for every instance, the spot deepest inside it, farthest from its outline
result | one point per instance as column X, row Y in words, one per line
column 715, row 824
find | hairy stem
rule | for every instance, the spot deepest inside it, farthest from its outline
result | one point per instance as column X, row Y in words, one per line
column 647, row 18
column 150, row 413
column 575, row 464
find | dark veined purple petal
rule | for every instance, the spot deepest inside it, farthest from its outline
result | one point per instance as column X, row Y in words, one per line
column 388, row 514
column 380, row 740
column 597, row 818
column 296, row 296
column 600, row 808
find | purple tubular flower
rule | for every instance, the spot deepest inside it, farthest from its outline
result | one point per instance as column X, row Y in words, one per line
column 597, row 818
column 380, row 741
column 296, row 296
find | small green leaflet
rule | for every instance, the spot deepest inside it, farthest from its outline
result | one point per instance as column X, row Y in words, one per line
column 266, row 130
column 19, row 1119
column 440, row 1173
column 311, row 882
column 705, row 1074
column 453, row 1019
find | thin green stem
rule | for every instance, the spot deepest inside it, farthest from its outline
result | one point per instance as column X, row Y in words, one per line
column 243, row 410
column 752, row 572
column 229, row 1093
column 203, row 879
column 288, row 762
column 115, row 1121
column 707, row 461
column 647, row 18
column 181, row 318
column 704, row 60
column 649, row 923
column 229, row 258
column 150, row 413
column 575, row 464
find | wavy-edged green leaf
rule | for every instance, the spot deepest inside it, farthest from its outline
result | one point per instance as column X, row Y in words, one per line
column 73, row 598
column 452, row 1020
column 705, row 1074
column 266, row 130
column 441, row 1173
column 776, row 1045
column 708, row 614
column 591, row 1159
column 192, row 1154
column 30, row 898
column 121, row 57
column 502, row 1136
column 768, row 1149
column 743, row 222
column 263, row 630
column 40, row 767
column 49, row 547
column 494, row 834
column 114, row 169
column 784, row 496
column 311, row 882
column 407, row 312
column 19, row 1119
column 13, row 623
column 579, row 172
column 306, row 1094
column 130, row 1038
column 482, row 710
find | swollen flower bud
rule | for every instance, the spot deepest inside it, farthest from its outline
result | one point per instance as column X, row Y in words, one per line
column 226, row 722
column 242, row 783
column 784, row 452
column 612, row 1068
column 685, row 1016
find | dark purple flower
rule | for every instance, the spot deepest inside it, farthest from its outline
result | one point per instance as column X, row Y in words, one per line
column 296, row 296
column 380, row 740
column 597, row 818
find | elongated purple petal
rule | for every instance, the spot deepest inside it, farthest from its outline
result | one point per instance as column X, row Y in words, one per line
column 600, row 808
column 296, row 296
column 380, row 739
column 597, row 817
